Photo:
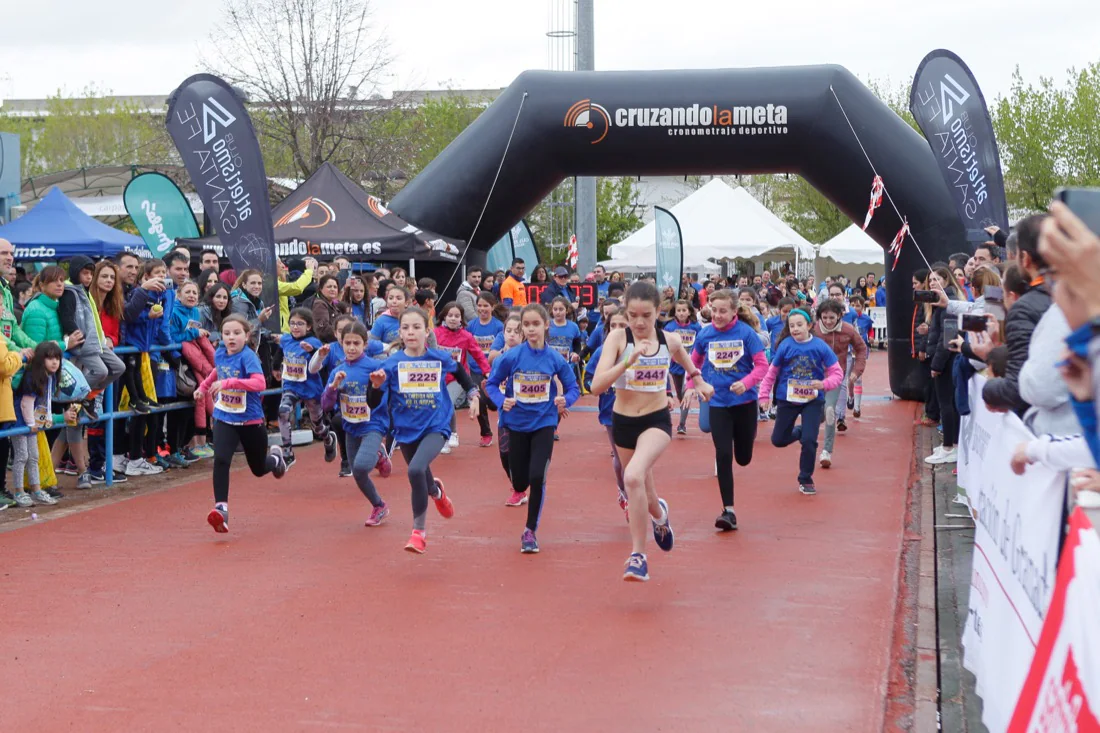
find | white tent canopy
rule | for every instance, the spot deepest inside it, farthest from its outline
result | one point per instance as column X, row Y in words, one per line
column 645, row 260
column 852, row 247
column 717, row 222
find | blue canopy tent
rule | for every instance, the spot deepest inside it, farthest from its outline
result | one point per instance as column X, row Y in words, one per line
column 56, row 229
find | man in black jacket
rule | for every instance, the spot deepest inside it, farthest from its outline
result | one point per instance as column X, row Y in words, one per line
column 1003, row 393
column 558, row 286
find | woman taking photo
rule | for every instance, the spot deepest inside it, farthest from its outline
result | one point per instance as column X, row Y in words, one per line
column 941, row 360
column 327, row 306
column 355, row 298
column 248, row 303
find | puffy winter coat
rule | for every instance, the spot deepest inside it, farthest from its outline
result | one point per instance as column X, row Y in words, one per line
column 41, row 322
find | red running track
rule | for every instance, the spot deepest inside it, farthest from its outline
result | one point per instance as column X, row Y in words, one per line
column 135, row 616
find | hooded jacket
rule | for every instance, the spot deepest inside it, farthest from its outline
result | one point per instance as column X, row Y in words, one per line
column 839, row 340
column 9, row 325
column 1004, row 392
column 77, row 311
column 467, row 300
column 1041, row 386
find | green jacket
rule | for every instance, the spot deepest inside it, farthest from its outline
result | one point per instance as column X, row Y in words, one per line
column 13, row 334
column 41, row 322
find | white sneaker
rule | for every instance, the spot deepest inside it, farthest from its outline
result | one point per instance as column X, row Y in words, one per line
column 446, row 448
column 951, row 456
column 937, row 454
column 142, row 467
column 941, row 456
column 119, row 463
column 41, row 497
column 826, row 459
column 453, row 440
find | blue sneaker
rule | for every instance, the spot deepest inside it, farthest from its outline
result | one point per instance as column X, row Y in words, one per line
column 662, row 533
column 637, row 569
column 528, row 544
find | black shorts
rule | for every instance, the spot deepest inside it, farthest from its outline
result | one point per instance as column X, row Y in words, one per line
column 625, row 429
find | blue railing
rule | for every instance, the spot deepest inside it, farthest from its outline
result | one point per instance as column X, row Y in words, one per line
column 109, row 416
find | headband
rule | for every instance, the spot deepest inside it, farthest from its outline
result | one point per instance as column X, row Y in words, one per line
column 802, row 313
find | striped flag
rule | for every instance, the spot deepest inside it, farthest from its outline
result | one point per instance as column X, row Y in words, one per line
column 573, row 254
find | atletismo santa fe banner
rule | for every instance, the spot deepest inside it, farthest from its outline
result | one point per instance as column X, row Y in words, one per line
column 160, row 211
column 949, row 107
column 210, row 127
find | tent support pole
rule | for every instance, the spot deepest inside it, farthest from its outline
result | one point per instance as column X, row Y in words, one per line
column 412, row 271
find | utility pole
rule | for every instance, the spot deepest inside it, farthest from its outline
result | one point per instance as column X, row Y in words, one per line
column 586, row 186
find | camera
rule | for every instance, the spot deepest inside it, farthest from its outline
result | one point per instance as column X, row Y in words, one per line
column 926, row 296
column 973, row 323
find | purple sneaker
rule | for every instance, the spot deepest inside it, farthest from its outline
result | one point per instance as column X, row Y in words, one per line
column 377, row 516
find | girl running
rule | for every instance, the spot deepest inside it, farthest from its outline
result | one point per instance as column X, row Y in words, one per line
column 484, row 330
column 420, row 414
column 617, row 320
column 685, row 324
column 452, row 336
column 731, row 357
column 841, row 337
column 387, row 326
column 235, row 384
column 865, row 325
column 636, row 361
column 300, row 385
column 531, row 404
column 802, row 368
column 364, row 427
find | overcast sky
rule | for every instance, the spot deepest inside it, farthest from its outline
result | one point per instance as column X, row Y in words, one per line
column 141, row 47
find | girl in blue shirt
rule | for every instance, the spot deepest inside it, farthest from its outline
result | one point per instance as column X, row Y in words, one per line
column 387, row 326
column 531, row 406
column 364, row 426
column 617, row 320
column 235, row 384
column 803, row 368
column 301, row 385
column 685, row 324
column 420, row 414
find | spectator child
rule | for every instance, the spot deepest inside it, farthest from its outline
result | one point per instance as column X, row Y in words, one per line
column 185, row 326
column 35, row 412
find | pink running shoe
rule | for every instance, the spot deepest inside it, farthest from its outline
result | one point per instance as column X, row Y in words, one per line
column 417, row 542
column 377, row 516
column 219, row 520
column 443, row 502
column 384, row 466
column 518, row 498
column 486, row 441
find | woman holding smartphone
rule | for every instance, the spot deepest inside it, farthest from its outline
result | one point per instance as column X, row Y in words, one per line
column 941, row 331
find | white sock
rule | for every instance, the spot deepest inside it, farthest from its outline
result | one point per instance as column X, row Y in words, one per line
column 729, row 509
column 222, row 506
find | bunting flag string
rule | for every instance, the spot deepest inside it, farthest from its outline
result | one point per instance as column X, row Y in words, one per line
column 574, row 255
column 877, row 187
column 899, row 240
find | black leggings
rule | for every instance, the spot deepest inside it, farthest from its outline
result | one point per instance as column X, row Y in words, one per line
column 253, row 438
column 145, row 432
column 131, row 378
column 529, row 459
column 949, row 416
column 732, row 430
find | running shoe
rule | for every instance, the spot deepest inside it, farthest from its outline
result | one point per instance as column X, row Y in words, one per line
column 443, row 502
column 53, row 491
column 189, row 455
column 7, row 500
column 662, row 532
column 330, row 447
column 807, row 489
column 681, row 430
column 518, row 498
column 279, row 469
column 176, row 460
column 528, row 545
column 417, row 543
column 942, row 456
column 84, row 481
column 41, row 497
column 762, row 416
column 624, row 504
column 219, row 520
column 142, row 467
column 726, row 521
column 486, row 441
column 452, row 441
column 556, row 437
column 377, row 516
column 637, row 569
column 161, row 461
column 345, row 469
column 852, row 402
column 67, row 467
column 288, row 456
column 446, row 449
column 841, row 426
column 771, row 413
column 826, row 459
column 23, row 499
column 120, row 462
column 384, row 465
column 857, row 413
column 99, row 477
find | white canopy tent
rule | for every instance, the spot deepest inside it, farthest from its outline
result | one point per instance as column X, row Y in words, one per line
column 851, row 253
column 717, row 222
column 645, row 260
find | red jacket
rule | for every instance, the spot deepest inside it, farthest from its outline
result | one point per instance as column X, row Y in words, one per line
column 462, row 345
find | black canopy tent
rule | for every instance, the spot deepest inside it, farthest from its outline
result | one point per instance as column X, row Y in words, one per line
column 330, row 216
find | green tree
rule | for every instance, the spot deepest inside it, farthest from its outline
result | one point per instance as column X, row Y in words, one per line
column 616, row 212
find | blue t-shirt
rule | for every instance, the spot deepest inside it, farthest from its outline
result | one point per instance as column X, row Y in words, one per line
column 498, row 343
column 358, row 418
column 863, row 323
column 387, row 329
column 595, row 339
column 417, row 393
column 237, row 406
column 728, row 358
column 774, row 327
column 560, row 338
column 800, row 363
column 485, row 334
column 528, row 375
column 43, row 403
column 687, row 332
column 607, row 399
column 296, row 377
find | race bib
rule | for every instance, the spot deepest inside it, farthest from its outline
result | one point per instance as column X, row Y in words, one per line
column 485, row 343
column 194, row 324
column 687, row 338
column 231, row 401
column 294, row 371
column 419, row 377
column 531, row 388
column 649, row 374
column 725, row 354
column 800, row 391
column 354, row 408
column 42, row 417
column 456, row 353
column 563, row 350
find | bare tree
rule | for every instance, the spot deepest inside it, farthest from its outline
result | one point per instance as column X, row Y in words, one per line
column 312, row 70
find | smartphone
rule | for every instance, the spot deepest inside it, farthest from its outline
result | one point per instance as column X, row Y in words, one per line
column 973, row 323
column 993, row 292
column 1085, row 203
column 926, row 296
column 951, row 330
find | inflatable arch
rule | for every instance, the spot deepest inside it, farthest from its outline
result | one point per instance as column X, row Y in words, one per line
column 768, row 120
